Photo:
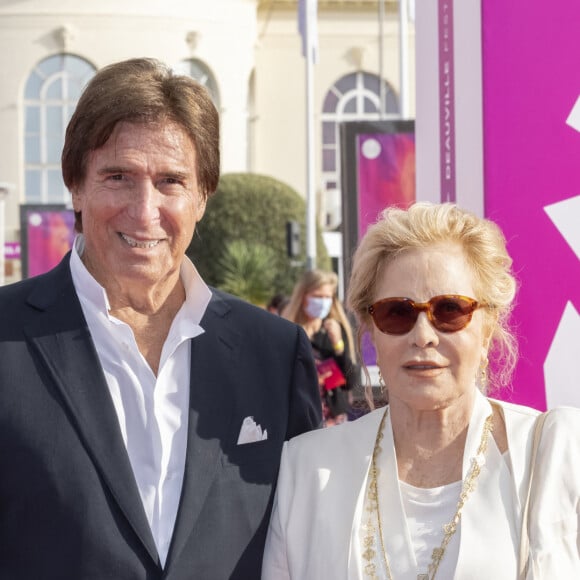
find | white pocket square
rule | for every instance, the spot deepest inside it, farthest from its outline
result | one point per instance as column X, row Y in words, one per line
column 251, row 432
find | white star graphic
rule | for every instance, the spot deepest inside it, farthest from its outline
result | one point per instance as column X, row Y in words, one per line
column 566, row 216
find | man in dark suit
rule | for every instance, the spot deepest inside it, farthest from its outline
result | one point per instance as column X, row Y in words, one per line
column 142, row 414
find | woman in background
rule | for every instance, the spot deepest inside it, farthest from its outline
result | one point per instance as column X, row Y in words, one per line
column 315, row 306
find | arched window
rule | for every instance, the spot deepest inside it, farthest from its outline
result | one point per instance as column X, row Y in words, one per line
column 50, row 96
column 354, row 97
column 199, row 71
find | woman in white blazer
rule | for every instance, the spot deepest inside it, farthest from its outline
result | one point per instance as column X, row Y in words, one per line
column 435, row 484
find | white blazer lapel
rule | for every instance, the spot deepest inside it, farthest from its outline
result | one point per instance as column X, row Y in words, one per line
column 487, row 529
column 395, row 533
column 355, row 559
column 397, row 539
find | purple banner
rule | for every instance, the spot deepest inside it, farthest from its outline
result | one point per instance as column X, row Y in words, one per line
column 446, row 100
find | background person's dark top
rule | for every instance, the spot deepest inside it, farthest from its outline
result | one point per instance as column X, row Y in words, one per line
column 323, row 349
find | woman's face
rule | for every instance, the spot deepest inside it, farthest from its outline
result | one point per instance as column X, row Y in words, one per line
column 427, row 369
column 318, row 302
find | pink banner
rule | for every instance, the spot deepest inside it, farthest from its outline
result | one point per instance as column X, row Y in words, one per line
column 386, row 176
column 12, row 250
column 531, row 82
column 49, row 236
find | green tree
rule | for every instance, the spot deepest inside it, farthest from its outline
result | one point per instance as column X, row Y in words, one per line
column 254, row 209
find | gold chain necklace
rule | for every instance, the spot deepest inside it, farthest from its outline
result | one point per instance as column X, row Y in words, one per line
column 449, row 529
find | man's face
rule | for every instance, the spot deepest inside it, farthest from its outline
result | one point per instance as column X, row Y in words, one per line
column 140, row 203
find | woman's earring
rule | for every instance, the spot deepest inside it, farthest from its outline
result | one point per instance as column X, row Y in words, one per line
column 384, row 389
column 483, row 373
column 382, row 384
column 381, row 381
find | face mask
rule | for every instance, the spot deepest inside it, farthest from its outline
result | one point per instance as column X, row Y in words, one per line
column 317, row 307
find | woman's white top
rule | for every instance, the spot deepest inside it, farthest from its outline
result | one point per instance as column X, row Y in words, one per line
column 427, row 510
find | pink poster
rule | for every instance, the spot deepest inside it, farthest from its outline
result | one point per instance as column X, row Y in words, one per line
column 386, row 176
column 48, row 236
column 531, row 83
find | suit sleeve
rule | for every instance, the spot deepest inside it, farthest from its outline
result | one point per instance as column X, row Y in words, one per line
column 305, row 406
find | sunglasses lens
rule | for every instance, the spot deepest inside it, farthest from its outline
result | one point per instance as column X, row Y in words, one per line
column 448, row 313
column 394, row 316
column 451, row 313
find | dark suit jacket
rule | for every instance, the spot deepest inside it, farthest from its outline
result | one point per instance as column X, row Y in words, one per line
column 69, row 505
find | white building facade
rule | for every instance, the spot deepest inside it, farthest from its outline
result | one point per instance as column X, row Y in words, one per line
column 248, row 53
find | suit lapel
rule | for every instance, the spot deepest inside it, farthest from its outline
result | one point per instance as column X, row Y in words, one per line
column 61, row 339
column 213, row 371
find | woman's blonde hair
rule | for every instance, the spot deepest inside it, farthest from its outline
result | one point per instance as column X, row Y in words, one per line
column 310, row 281
column 420, row 226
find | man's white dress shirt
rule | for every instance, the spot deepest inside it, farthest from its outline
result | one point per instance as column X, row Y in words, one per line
column 152, row 410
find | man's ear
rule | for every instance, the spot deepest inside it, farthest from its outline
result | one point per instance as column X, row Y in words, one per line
column 76, row 199
column 200, row 207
